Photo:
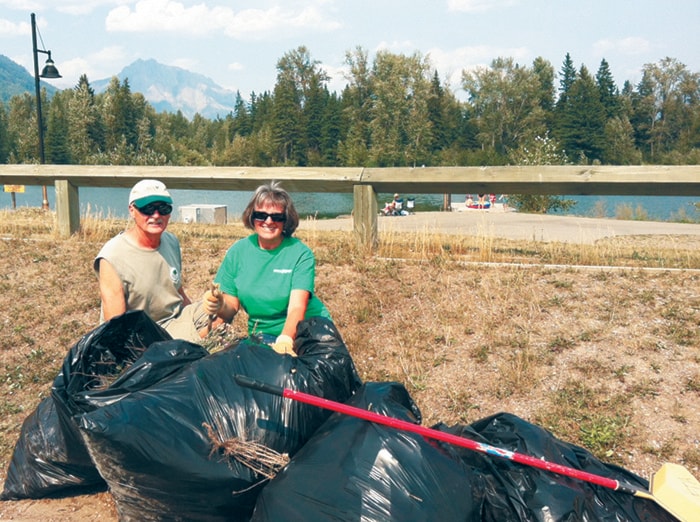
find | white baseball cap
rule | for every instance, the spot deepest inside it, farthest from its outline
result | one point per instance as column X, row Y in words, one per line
column 147, row 191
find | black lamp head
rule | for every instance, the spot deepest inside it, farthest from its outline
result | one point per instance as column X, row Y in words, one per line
column 49, row 70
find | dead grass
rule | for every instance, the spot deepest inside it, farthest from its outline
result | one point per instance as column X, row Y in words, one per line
column 604, row 357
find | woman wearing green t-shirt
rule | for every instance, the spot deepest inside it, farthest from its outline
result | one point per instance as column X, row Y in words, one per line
column 269, row 273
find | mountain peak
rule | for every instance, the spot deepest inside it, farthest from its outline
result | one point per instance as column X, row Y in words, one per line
column 169, row 88
column 165, row 87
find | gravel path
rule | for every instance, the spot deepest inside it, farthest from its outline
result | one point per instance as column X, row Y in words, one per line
column 514, row 225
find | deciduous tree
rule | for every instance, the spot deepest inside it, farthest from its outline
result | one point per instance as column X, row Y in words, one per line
column 507, row 103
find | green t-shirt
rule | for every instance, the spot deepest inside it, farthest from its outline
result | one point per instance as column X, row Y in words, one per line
column 263, row 279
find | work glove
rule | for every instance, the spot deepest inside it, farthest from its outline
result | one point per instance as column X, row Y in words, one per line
column 284, row 345
column 213, row 301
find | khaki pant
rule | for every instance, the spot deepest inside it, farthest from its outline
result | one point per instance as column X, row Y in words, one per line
column 188, row 324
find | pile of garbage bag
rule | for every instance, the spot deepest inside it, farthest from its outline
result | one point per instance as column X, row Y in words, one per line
column 165, row 427
column 50, row 457
column 356, row 470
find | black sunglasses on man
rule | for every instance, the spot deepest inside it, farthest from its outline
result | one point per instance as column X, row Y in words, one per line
column 161, row 207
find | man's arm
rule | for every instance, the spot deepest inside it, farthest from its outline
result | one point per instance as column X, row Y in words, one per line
column 185, row 298
column 111, row 291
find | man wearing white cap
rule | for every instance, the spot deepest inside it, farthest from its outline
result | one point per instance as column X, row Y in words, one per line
column 141, row 268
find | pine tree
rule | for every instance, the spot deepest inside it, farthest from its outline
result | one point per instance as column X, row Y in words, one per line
column 286, row 119
column 242, row 124
column 313, row 112
column 561, row 114
column 297, row 97
column 84, row 123
column 121, row 112
column 332, row 131
column 4, row 135
column 56, row 142
column 582, row 125
column 567, row 78
column 609, row 94
column 436, row 114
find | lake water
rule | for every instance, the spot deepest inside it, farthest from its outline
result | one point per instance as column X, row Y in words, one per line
column 113, row 202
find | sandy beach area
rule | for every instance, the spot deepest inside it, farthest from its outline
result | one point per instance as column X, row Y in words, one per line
column 497, row 222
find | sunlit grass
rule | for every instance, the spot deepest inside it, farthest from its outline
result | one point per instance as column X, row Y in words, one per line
column 471, row 325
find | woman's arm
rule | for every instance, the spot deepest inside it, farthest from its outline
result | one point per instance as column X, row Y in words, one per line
column 229, row 307
column 298, row 301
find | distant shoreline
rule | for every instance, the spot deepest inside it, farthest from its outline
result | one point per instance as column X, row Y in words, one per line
column 112, row 202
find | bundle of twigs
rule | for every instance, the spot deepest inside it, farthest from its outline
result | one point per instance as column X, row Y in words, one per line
column 221, row 338
column 107, row 372
column 252, row 454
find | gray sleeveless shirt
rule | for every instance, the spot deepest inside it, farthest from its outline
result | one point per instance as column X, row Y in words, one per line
column 150, row 278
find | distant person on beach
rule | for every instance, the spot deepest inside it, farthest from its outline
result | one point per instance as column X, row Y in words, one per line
column 389, row 208
column 141, row 268
column 504, row 199
column 394, row 207
column 469, row 201
column 270, row 274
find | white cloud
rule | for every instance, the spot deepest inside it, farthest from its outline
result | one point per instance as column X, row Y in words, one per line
column 474, row 56
column 83, row 7
column 473, row 6
column 276, row 21
column 21, row 5
column 398, row 47
column 337, row 77
column 173, row 16
column 450, row 64
column 10, row 29
column 165, row 16
column 73, row 7
column 629, row 46
column 101, row 64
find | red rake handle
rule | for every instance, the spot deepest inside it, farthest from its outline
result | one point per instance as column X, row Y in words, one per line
column 434, row 434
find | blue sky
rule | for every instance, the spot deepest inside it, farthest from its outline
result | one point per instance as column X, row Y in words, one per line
column 238, row 43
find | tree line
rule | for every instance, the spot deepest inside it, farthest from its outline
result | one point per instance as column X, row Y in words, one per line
column 394, row 111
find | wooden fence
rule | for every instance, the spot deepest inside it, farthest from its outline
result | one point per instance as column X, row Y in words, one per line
column 363, row 183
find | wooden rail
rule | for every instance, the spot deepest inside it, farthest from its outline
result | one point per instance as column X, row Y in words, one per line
column 363, row 183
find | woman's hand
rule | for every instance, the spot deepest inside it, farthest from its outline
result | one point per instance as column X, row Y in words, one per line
column 284, row 345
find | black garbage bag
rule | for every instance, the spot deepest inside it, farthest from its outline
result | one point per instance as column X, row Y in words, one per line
column 354, row 470
column 534, row 494
column 127, row 353
column 155, row 447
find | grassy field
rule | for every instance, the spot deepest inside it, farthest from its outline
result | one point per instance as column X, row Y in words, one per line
column 605, row 354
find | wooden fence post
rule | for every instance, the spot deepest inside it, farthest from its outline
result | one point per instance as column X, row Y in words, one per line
column 365, row 216
column 67, row 207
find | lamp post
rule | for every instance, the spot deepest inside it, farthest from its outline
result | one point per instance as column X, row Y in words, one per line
column 49, row 71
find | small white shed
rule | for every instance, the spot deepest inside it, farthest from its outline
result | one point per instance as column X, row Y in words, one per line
column 205, row 213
